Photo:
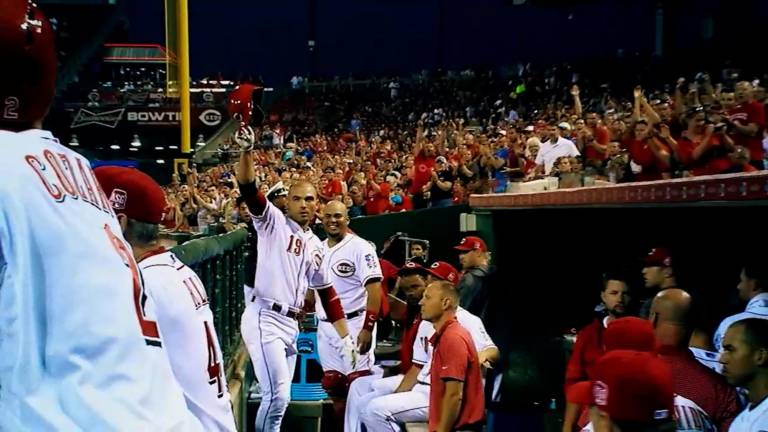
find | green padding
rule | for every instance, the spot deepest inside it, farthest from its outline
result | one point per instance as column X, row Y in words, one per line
column 195, row 251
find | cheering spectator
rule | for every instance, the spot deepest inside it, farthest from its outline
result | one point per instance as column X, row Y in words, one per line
column 748, row 121
column 440, row 186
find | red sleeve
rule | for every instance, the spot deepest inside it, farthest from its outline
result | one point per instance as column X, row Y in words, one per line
column 455, row 357
column 253, row 197
column 602, row 136
column 757, row 114
column 335, row 187
column 685, row 148
column 576, row 371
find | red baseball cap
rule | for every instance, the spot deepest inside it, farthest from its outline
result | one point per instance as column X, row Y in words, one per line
column 629, row 333
column 633, row 386
column 132, row 193
column 444, row 271
column 471, row 243
column 411, row 267
column 658, row 257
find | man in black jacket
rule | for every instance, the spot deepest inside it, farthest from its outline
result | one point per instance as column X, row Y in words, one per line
column 477, row 275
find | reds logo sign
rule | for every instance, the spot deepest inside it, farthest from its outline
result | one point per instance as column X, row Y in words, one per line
column 118, row 199
column 344, row 268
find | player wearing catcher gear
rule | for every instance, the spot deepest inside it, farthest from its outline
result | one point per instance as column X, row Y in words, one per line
column 79, row 350
column 353, row 267
column 180, row 301
column 290, row 261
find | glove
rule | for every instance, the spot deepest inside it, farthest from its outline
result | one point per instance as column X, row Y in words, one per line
column 349, row 351
column 245, row 137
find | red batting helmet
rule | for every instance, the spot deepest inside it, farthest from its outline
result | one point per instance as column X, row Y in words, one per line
column 245, row 104
column 28, row 75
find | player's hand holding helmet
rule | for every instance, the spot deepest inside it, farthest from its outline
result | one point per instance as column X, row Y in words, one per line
column 349, row 350
column 245, row 137
column 244, row 105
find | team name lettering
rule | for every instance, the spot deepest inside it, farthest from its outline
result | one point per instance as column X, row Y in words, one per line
column 61, row 180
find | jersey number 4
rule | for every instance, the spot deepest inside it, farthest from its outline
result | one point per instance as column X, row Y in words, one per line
column 148, row 327
column 214, row 365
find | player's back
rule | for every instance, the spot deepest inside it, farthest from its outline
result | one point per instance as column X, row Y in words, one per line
column 187, row 327
column 76, row 351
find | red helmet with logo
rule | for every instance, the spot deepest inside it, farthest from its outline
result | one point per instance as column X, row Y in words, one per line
column 28, row 75
column 245, row 104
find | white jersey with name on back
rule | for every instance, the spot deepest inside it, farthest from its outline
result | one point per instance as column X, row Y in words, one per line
column 78, row 349
column 290, row 259
column 186, row 326
column 422, row 349
column 350, row 264
column 756, row 308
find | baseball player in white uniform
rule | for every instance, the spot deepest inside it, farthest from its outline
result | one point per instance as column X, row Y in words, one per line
column 753, row 289
column 411, row 279
column 79, row 349
column 353, row 267
column 181, row 303
column 745, row 365
column 290, row 261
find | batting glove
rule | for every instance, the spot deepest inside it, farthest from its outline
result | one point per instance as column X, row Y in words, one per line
column 245, row 137
column 349, row 350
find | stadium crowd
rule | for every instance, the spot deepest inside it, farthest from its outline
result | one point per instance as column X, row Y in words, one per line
column 431, row 141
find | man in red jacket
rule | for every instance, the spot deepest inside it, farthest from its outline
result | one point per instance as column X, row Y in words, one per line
column 589, row 345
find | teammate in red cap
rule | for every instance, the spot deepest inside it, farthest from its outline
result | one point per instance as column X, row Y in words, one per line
column 177, row 297
column 78, row 350
column 632, row 390
column 478, row 274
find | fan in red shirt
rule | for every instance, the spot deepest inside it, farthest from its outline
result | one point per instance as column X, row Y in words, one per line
column 596, row 141
column 423, row 164
column 704, row 148
column 589, row 346
column 648, row 153
column 399, row 201
column 747, row 123
column 377, row 196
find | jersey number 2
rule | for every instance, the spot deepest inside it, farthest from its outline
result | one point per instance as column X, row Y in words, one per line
column 148, row 327
column 214, row 365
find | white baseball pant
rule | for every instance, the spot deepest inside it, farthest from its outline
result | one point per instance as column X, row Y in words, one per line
column 361, row 392
column 271, row 341
column 388, row 413
column 329, row 347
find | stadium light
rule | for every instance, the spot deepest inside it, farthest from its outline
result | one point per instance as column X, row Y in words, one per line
column 73, row 142
column 159, row 148
column 136, row 142
column 114, row 147
column 160, row 161
column 200, row 140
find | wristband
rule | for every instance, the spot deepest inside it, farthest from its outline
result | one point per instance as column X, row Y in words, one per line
column 370, row 320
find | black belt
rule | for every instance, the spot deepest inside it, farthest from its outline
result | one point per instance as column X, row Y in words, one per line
column 289, row 313
column 349, row 316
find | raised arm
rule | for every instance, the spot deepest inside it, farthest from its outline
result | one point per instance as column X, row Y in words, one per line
column 246, row 174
